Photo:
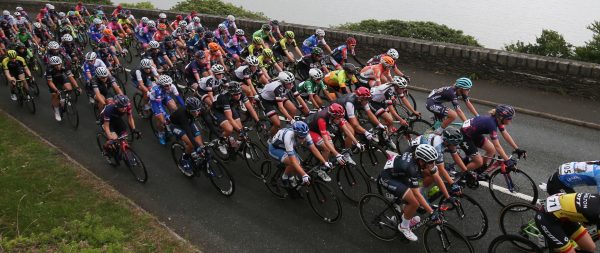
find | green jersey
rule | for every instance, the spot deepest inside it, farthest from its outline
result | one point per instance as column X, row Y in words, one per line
column 310, row 87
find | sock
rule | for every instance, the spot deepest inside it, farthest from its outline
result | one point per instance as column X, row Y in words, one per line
column 405, row 222
column 56, row 110
column 284, row 176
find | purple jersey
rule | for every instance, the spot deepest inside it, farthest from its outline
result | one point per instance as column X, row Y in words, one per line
column 481, row 125
column 445, row 94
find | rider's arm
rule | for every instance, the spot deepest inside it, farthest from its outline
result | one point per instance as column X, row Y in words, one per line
column 117, row 88
column 106, row 128
column 251, row 110
column 438, row 180
column 72, row 80
column 499, row 149
column 422, row 202
column 471, row 107
column 408, row 105
column 509, row 139
column 229, row 116
column 348, row 134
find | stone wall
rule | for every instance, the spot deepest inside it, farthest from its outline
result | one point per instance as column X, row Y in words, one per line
column 547, row 73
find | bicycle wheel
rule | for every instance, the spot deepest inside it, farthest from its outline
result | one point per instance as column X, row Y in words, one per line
column 100, row 140
column 412, row 100
column 515, row 186
column 262, row 132
column 33, row 88
column 177, row 151
column 518, row 219
column 128, row 57
column 379, row 216
column 121, row 83
column 72, row 114
column 469, row 217
column 273, row 181
column 253, row 155
column 220, row 177
column 135, row 165
column 445, row 238
column 403, row 140
column 30, row 102
column 372, row 161
column 420, row 126
column 323, row 201
column 352, row 183
column 40, row 67
column 506, row 243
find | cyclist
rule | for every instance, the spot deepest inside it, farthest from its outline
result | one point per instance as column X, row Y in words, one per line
column 161, row 34
column 194, row 24
column 211, row 86
column 280, row 48
column 437, row 97
column 162, row 19
column 191, row 16
column 248, row 73
column 383, row 98
column 265, row 34
column 55, row 50
column 113, row 124
column 183, row 125
column 15, row 68
column 116, row 28
column 91, row 63
column 340, row 54
column 95, row 31
column 255, row 48
column 374, row 75
column 339, row 80
column 158, row 57
column 82, row 9
column 59, row 79
column 222, row 33
column 274, row 97
column 105, row 87
column 400, row 176
column 216, row 55
column 21, row 21
column 107, row 55
column 275, row 29
column 309, row 88
column 572, row 174
column 70, row 48
column 236, row 45
column 359, row 100
column 170, row 48
column 25, row 37
column 147, row 33
column 41, row 34
column 143, row 79
column 162, row 95
column 391, row 53
column 27, row 54
column 474, row 130
column 267, row 61
column 175, row 24
column 313, row 61
column 314, row 41
column 230, row 22
column 282, row 147
column 196, row 69
column 126, row 24
column 561, row 217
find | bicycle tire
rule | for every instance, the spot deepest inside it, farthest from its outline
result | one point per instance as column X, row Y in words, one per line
column 128, row 57
column 136, row 165
column 262, row 132
column 412, row 100
column 34, row 88
column 526, row 213
column 72, row 114
column 474, row 222
column 444, row 230
column 273, row 181
column 318, row 193
column 513, row 239
column 513, row 174
column 372, row 161
column 100, row 140
column 218, row 175
column 385, row 228
column 177, row 151
column 420, row 126
column 352, row 183
column 257, row 155
column 218, row 153
column 30, row 103
column 120, row 83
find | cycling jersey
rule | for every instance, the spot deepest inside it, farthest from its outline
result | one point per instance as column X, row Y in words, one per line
column 285, row 139
column 276, row 92
column 160, row 96
column 339, row 79
column 195, row 67
column 21, row 22
column 91, row 68
column 340, row 54
column 480, row 125
column 58, row 76
column 264, row 62
column 318, row 123
column 244, row 72
column 16, row 67
column 225, row 102
column 281, row 46
column 401, row 173
column 373, row 72
column 312, row 42
column 211, row 84
column 310, row 87
column 384, row 94
column 183, row 123
column 261, row 34
column 445, row 94
column 574, row 174
column 141, row 75
column 156, row 55
column 110, row 39
column 111, row 114
column 350, row 103
column 434, row 140
column 105, row 88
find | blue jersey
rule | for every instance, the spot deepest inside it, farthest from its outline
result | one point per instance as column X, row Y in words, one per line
column 580, row 173
column 160, row 96
column 480, row 125
column 310, row 43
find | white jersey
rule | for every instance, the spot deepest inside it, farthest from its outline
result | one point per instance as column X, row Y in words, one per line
column 434, row 140
column 284, row 139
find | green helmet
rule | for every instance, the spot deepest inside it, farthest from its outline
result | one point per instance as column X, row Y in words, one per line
column 257, row 40
column 316, row 51
column 290, row 34
column 268, row 52
column 12, row 54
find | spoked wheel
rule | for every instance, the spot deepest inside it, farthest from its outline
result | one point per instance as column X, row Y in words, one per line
column 518, row 219
column 30, row 102
column 514, row 186
column 445, row 238
column 372, row 161
column 177, row 151
column 506, row 243
column 253, row 156
column 71, row 113
column 352, row 183
column 128, row 57
column 34, row 89
column 379, row 216
column 138, row 103
column 323, row 201
column 262, row 131
column 121, row 83
column 468, row 217
column 100, row 140
column 420, row 126
column 220, row 177
column 271, row 177
column 136, row 166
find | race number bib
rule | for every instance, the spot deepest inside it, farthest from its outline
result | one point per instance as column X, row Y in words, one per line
column 466, row 124
column 553, row 203
column 566, row 169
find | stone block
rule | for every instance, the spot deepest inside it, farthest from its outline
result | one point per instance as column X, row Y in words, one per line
column 563, row 66
column 531, row 62
column 483, row 55
column 596, row 72
column 425, row 48
column 457, row 52
column 586, row 70
column 502, row 58
column 574, row 68
column 493, row 56
column 465, row 53
column 552, row 66
column 416, row 46
column 448, row 50
column 511, row 60
column 542, row 64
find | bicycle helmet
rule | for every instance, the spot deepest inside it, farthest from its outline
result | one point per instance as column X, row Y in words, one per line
column 336, row 110
column 50, row 7
column 257, row 40
column 217, row 69
column 162, row 15
column 315, row 74
column 199, row 54
column 199, row 30
column 350, row 68
column 91, row 56
column 196, row 19
column 121, row 101
column 12, row 54
column 387, row 61
column 350, row 41
column 426, row 152
column 169, row 38
column 504, row 112
column 289, row 34
column 300, row 129
column 164, row 80
column 234, row 88
column 19, row 8
column 101, row 72
column 151, row 24
column 252, row 60
column 154, row 44
column 239, row 32
column 209, row 35
column 5, row 12
column 113, row 19
column 146, row 63
column 452, row 135
column 20, row 45
column 53, row 45
column 107, row 32
column 400, row 82
column 463, row 83
column 37, row 25
column 193, row 104
column 222, row 27
column 268, row 52
column 97, row 21
column 316, row 51
column 320, row 32
column 274, row 22
column 145, row 20
column 286, row 77
column 266, row 27
column 60, row 14
column 183, row 23
column 231, row 18
column 55, row 60
column 67, row 37
column 393, row 53
column 17, row 14
column 213, row 46
column 363, row 92
column 162, row 26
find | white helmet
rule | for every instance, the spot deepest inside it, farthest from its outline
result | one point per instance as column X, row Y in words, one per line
column 50, row 7
column 252, row 60
column 146, row 63
column 286, row 77
column 55, row 60
column 97, row 21
column 154, row 44
column 393, row 53
column 217, row 69
column 183, row 23
column 196, row 19
column 426, row 153
column 6, row 13
column 53, row 45
column 164, row 80
column 62, row 14
column 320, row 32
column 151, row 24
column 231, row 18
column 19, row 8
column 17, row 14
column 222, row 27
column 145, row 20
column 90, row 56
column 315, row 73
column 162, row 15
column 239, row 32
column 67, row 37
column 37, row 25
column 401, row 82
column 101, row 72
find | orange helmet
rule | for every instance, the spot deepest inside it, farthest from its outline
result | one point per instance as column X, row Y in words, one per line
column 107, row 31
column 387, row 61
column 213, row 46
column 162, row 26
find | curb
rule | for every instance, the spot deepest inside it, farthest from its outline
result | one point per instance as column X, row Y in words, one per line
column 71, row 159
column 528, row 112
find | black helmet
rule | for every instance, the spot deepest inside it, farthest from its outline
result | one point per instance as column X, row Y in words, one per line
column 209, row 35
column 350, row 68
column 121, row 101
column 234, row 88
column 316, row 51
column 200, row 30
column 452, row 135
column 193, row 104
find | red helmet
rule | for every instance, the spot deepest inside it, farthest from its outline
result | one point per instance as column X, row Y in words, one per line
column 336, row 110
column 119, row 7
column 350, row 41
column 362, row 92
column 179, row 17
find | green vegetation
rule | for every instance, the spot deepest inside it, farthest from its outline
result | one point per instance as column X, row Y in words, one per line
column 105, row 2
column 217, row 7
column 551, row 43
column 139, row 5
column 412, row 29
column 49, row 205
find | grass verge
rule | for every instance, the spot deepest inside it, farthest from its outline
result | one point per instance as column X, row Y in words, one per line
column 49, row 204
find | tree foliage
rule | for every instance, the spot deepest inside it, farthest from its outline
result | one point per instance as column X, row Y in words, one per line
column 591, row 50
column 549, row 43
column 412, row 29
column 217, row 7
column 139, row 5
column 104, row 2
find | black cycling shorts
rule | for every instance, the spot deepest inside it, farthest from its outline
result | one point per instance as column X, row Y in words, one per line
column 554, row 185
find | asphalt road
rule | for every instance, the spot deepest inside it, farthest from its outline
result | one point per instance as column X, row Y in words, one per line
column 253, row 220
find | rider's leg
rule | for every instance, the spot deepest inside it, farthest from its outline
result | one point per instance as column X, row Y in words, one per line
column 450, row 117
column 275, row 124
column 290, row 107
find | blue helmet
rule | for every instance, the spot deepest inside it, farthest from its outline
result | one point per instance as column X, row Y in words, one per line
column 464, row 83
column 121, row 101
column 300, row 128
column 504, row 112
